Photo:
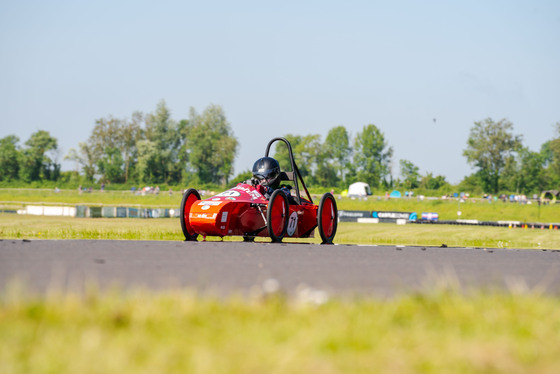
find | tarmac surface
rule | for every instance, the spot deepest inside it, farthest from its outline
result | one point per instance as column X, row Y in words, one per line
column 225, row 268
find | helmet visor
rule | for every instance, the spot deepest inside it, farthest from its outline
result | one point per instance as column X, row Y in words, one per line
column 266, row 178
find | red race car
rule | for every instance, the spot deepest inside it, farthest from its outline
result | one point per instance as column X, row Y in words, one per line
column 244, row 211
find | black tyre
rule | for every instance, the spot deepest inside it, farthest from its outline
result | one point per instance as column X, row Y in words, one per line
column 327, row 218
column 189, row 198
column 277, row 215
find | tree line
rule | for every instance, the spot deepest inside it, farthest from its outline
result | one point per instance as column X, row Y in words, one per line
column 151, row 148
column 154, row 148
column 503, row 163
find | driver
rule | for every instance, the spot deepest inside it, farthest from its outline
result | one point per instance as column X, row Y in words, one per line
column 266, row 177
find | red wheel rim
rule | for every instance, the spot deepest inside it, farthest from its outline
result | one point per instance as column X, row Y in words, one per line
column 277, row 216
column 190, row 201
column 327, row 218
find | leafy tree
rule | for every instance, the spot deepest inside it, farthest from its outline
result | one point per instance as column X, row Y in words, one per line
column 87, row 160
column 430, row 182
column 337, row 148
column 36, row 163
column 325, row 175
column 210, row 145
column 147, row 161
column 471, row 183
column 410, row 174
column 131, row 133
column 282, row 155
column 9, row 158
column 550, row 153
column 350, row 175
column 106, row 133
column 73, row 156
column 83, row 159
column 240, row 178
column 163, row 132
column 531, row 178
column 525, row 173
column 307, row 154
column 114, row 134
column 488, row 147
column 111, row 166
column 372, row 156
column 183, row 128
column 509, row 179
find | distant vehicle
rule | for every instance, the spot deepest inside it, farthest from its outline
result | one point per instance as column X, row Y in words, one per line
column 244, row 211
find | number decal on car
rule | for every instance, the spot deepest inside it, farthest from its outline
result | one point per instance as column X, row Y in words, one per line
column 292, row 224
column 229, row 193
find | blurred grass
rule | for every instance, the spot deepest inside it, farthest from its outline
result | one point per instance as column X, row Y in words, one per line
column 39, row 227
column 443, row 331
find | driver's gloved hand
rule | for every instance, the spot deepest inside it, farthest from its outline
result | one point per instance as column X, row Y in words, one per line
column 261, row 189
column 286, row 190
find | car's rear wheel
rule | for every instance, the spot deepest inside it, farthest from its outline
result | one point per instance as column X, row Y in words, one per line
column 189, row 198
column 327, row 218
column 277, row 215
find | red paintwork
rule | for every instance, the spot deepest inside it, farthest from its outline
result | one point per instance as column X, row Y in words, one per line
column 236, row 212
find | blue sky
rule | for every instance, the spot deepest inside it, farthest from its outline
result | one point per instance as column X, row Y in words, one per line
column 299, row 67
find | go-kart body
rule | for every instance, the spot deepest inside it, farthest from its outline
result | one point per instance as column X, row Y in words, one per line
column 244, row 210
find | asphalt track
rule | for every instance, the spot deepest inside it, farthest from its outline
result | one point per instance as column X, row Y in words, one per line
column 238, row 268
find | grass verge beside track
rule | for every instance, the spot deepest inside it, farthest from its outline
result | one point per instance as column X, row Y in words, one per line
column 38, row 227
column 180, row 332
column 450, row 235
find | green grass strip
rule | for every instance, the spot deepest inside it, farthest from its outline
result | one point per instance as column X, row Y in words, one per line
column 181, row 332
column 14, row 226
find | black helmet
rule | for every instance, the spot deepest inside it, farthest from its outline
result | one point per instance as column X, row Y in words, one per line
column 266, row 171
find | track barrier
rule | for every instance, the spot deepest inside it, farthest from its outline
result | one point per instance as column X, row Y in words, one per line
column 83, row 211
column 433, row 219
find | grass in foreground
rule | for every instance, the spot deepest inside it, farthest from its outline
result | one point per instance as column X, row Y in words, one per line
column 181, row 332
column 38, row 227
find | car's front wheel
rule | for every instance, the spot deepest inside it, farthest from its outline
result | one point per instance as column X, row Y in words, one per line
column 189, row 198
column 277, row 215
column 327, row 218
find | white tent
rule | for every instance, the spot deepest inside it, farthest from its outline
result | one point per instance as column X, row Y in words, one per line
column 359, row 189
